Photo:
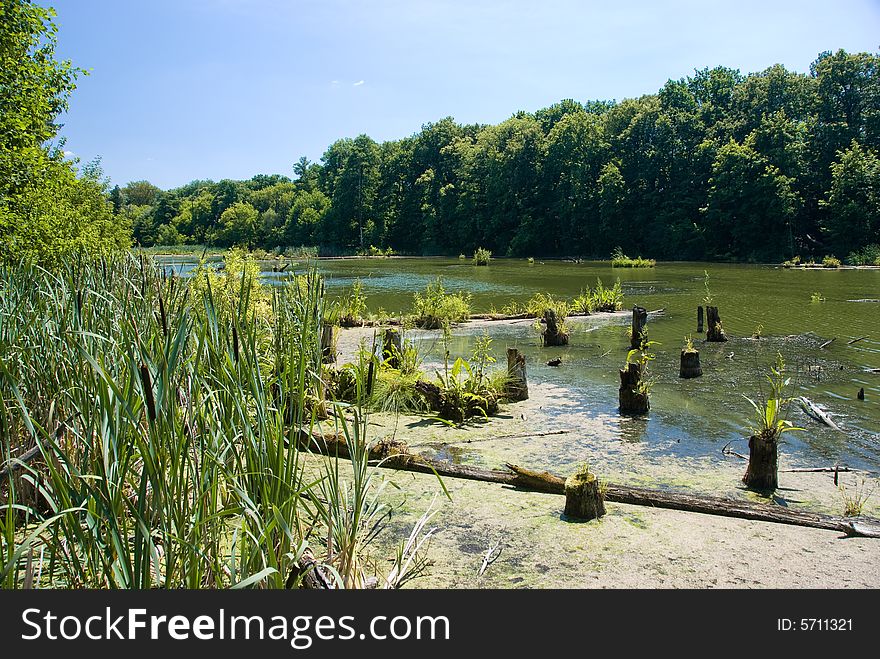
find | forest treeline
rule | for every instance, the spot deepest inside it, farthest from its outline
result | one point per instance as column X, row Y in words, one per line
column 717, row 165
column 714, row 166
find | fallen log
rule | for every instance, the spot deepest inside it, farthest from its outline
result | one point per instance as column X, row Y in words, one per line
column 395, row 455
column 827, row 343
column 861, row 338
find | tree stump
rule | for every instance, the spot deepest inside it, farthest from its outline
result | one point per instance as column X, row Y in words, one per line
column 714, row 331
column 761, row 473
column 637, row 330
column 392, row 347
column 583, row 499
column 516, row 388
column 690, row 364
column 329, row 334
column 632, row 399
column 453, row 409
column 699, row 320
column 552, row 335
column 861, row 394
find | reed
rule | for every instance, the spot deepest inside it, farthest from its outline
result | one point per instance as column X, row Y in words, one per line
column 166, row 415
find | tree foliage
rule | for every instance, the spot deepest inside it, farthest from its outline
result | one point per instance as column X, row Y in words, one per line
column 48, row 207
column 717, row 165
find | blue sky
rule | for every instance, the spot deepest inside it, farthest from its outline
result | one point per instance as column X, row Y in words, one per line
column 186, row 89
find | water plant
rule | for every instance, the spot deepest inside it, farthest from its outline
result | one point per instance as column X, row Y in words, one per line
column 435, row 307
column 830, row 261
column 482, row 256
column 770, row 423
column 708, row 298
column 817, row 297
column 351, row 309
column 621, row 260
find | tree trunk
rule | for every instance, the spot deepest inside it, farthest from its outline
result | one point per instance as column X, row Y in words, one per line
column 392, row 347
column 637, row 330
column 328, row 344
column 395, row 455
column 714, row 332
column 516, row 387
column 761, row 473
column 690, row 364
column 632, row 400
column 699, row 320
column 456, row 410
column 552, row 335
column 583, row 500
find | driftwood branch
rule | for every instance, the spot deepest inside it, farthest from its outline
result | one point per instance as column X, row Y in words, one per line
column 861, row 338
column 395, row 455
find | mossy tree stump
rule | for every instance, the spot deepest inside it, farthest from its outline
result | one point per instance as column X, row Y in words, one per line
column 553, row 335
column 516, row 388
column 690, row 364
column 637, row 329
column 761, row 473
column 714, row 331
column 632, row 395
column 583, row 498
column 329, row 333
column 392, row 347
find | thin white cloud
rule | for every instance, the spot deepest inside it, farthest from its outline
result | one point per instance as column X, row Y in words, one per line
column 358, row 83
column 69, row 154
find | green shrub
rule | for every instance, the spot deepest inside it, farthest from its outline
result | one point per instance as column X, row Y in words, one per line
column 435, row 308
column 536, row 306
column 830, row 262
column 607, row 299
column 482, row 256
column 621, row 260
column 869, row 255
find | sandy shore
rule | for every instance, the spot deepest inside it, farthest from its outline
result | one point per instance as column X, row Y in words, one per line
column 631, row 546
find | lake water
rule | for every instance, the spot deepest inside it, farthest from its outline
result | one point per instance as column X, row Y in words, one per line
column 688, row 417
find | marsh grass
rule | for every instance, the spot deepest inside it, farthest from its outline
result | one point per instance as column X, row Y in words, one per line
column 167, row 416
column 854, row 500
column 434, row 307
column 621, row 260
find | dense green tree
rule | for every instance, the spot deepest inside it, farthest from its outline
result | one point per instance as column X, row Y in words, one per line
column 716, row 165
column 237, row 226
column 852, row 218
column 751, row 204
column 34, row 90
column 48, row 207
column 141, row 193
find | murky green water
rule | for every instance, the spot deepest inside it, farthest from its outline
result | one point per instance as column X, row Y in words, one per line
column 692, row 418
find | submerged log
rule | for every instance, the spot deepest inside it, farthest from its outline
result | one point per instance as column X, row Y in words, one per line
column 329, row 333
column 699, row 320
column 553, row 334
column 715, row 331
column 637, row 328
column 690, row 364
column 394, row 455
column 583, row 498
column 761, row 471
column 392, row 347
column 516, row 388
column 632, row 395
